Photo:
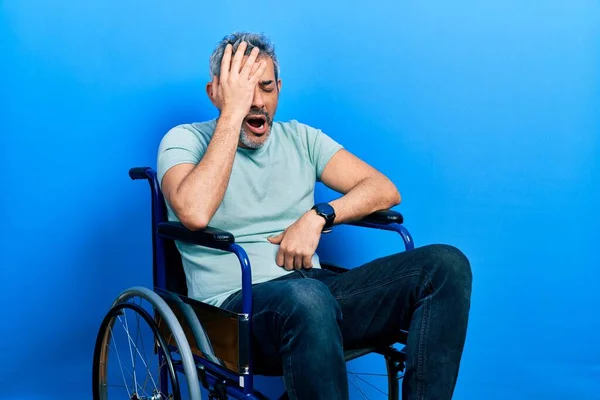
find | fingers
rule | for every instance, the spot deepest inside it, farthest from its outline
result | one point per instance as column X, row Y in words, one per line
column 280, row 258
column 289, row 261
column 236, row 63
column 290, row 257
column 260, row 70
column 226, row 62
column 250, row 62
column 307, row 261
column 232, row 63
column 276, row 239
column 254, row 68
column 298, row 262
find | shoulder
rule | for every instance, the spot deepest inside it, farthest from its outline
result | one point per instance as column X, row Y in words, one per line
column 190, row 134
column 294, row 126
column 301, row 134
column 185, row 143
column 317, row 146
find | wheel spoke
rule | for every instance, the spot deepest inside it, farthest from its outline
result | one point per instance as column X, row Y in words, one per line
column 356, row 385
column 112, row 336
column 146, row 340
column 126, row 329
column 370, row 384
column 130, row 340
column 368, row 374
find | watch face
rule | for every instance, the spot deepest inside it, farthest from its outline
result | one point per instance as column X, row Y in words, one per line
column 326, row 210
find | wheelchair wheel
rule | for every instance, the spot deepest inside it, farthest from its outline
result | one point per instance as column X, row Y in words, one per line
column 141, row 352
column 376, row 376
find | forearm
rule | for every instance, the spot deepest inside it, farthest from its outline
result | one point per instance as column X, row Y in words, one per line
column 202, row 190
column 371, row 194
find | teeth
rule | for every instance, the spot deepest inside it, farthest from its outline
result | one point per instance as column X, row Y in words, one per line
column 261, row 126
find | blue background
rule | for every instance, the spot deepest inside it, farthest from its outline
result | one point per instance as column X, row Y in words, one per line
column 485, row 114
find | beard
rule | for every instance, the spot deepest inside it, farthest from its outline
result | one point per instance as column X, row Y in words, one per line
column 248, row 139
column 252, row 142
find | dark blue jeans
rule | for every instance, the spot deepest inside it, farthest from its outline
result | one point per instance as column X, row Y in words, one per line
column 303, row 321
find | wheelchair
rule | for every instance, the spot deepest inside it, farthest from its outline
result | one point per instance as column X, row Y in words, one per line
column 175, row 347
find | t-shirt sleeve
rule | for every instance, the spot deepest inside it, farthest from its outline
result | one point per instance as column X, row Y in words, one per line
column 321, row 148
column 178, row 146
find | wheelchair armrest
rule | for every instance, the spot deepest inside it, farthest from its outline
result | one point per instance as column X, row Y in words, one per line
column 139, row 173
column 208, row 237
column 383, row 217
column 387, row 220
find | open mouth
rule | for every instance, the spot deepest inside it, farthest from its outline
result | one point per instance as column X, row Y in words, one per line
column 256, row 124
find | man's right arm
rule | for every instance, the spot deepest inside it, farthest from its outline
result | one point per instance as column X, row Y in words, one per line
column 194, row 192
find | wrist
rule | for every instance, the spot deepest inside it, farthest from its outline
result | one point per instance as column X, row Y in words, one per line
column 232, row 115
column 316, row 220
column 327, row 214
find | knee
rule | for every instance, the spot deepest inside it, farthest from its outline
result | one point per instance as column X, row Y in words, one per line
column 312, row 304
column 452, row 267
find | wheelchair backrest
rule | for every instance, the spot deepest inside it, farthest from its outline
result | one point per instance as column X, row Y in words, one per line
column 167, row 269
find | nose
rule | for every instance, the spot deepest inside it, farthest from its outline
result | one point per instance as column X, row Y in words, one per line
column 258, row 101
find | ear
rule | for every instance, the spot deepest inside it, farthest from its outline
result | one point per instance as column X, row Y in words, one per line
column 211, row 90
column 279, row 85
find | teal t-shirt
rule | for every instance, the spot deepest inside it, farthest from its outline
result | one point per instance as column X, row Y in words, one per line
column 269, row 189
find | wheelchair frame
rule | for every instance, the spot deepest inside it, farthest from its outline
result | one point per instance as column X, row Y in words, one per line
column 206, row 356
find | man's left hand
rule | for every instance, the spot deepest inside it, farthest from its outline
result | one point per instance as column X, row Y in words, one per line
column 298, row 243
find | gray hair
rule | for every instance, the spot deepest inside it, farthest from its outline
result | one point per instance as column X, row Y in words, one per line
column 253, row 40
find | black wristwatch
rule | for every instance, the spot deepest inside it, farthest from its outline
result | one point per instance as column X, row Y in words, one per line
column 326, row 211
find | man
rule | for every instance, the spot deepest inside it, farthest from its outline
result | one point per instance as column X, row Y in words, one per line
column 248, row 174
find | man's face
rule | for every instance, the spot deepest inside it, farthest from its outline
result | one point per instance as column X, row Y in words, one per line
column 256, row 127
